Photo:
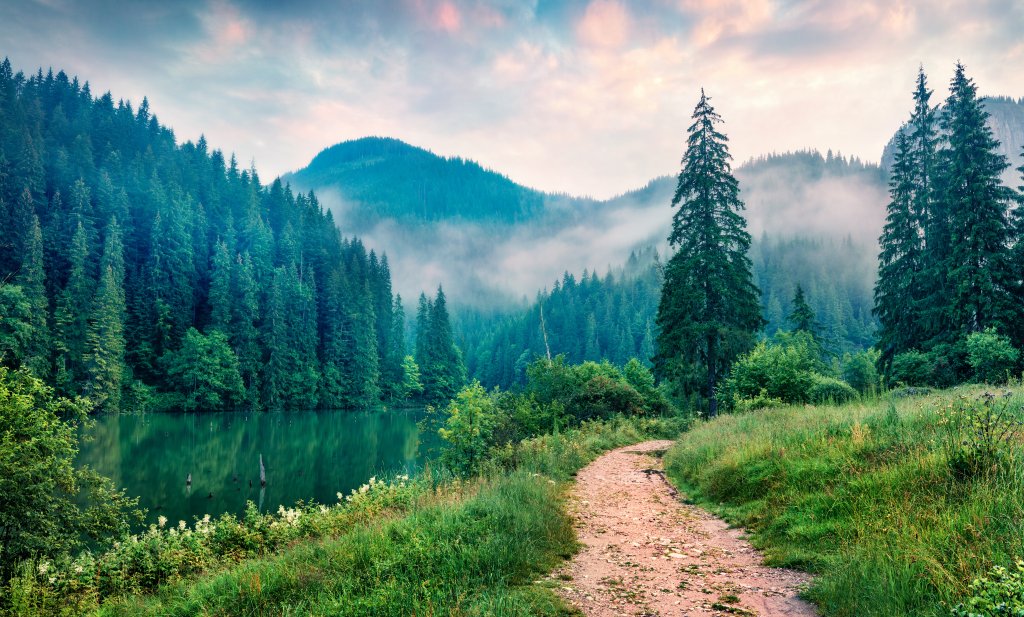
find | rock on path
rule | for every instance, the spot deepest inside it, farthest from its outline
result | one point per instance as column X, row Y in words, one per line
column 645, row 553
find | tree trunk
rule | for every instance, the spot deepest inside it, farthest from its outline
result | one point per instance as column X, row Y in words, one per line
column 712, row 374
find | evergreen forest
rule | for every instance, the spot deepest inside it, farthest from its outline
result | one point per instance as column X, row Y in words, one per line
column 144, row 274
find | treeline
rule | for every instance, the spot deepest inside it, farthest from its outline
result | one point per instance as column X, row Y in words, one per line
column 591, row 319
column 612, row 317
column 952, row 251
column 836, row 275
column 133, row 267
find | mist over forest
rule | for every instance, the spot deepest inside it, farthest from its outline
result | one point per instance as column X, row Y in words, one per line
column 492, row 253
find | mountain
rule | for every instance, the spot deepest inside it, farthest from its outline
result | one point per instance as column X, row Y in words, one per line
column 380, row 178
column 1006, row 119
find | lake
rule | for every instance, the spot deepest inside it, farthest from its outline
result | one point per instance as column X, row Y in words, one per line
column 308, row 455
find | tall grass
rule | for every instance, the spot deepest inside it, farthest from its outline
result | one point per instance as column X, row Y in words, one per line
column 863, row 495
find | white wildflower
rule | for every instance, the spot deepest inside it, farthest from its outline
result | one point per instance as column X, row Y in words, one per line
column 161, row 521
column 181, row 525
column 43, row 567
column 78, row 568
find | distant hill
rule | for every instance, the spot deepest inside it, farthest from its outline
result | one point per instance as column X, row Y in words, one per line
column 1006, row 118
column 380, row 178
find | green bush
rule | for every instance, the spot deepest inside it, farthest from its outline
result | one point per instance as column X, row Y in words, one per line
column 979, row 434
column 1000, row 594
column 859, row 370
column 788, row 370
column 991, row 356
column 830, row 390
column 911, row 368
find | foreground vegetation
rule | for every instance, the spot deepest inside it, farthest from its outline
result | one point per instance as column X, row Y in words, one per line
column 470, row 535
column 896, row 504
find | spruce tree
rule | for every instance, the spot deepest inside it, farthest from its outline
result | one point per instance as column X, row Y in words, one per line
column 709, row 311
column 32, row 279
column 977, row 203
column 220, row 298
column 802, row 318
column 901, row 263
column 105, row 342
column 71, row 315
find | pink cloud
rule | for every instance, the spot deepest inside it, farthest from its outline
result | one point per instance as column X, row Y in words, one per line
column 447, row 18
column 605, row 23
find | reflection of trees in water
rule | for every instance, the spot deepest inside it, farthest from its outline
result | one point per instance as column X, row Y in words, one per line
column 308, row 455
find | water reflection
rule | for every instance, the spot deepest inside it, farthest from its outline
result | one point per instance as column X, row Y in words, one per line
column 188, row 465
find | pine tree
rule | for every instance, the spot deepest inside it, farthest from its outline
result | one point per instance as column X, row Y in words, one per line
column 244, row 331
column 899, row 288
column 105, row 342
column 802, row 318
column 710, row 310
column 442, row 369
column 220, row 289
column 71, row 315
column 977, row 205
column 32, row 279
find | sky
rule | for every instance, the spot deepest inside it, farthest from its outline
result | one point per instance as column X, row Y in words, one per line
column 587, row 97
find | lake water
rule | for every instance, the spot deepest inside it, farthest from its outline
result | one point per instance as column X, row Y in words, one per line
column 309, row 455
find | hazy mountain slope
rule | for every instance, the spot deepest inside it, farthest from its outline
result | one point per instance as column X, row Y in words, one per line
column 490, row 240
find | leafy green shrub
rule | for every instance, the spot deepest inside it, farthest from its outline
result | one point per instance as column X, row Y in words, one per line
column 788, row 370
column 761, row 401
column 830, row 390
column 859, row 370
column 468, row 426
column 1000, row 594
column 911, row 368
column 978, row 435
column 43, row 515
column 991, row 355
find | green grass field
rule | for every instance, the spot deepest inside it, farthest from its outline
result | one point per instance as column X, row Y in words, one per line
column 888, row 502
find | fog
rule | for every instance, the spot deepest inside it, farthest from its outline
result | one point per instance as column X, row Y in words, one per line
column 496, row 265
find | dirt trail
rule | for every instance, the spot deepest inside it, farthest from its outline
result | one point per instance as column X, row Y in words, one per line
column 647, row 553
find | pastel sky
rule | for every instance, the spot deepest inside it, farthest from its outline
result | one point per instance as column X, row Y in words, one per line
column 580, row 96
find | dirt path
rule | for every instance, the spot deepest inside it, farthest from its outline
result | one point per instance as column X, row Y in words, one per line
column 647, row 553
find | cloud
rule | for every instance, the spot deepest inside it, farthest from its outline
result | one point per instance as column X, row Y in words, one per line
column 581, row 96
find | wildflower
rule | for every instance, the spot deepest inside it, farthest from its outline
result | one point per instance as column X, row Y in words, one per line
column 181, row 525
column 206, row 518
column 161, row 521
column 43, row 567
column 340, row 496
column 78, row 568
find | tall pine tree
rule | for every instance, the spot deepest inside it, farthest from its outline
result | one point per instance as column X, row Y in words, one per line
column 710, row 310
column 901, row 260
column 977, row 204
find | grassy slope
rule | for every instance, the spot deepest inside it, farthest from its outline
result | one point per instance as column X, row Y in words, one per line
column 478, row 551
column 862, row 496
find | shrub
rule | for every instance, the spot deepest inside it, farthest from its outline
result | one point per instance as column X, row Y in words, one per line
column 979, row 434
column 468, row 426
column 999, row 594
column 991, row 356
column 859, row 370
column 830, row 390
column 48, row 507
column 911, row 368
column 786, row 371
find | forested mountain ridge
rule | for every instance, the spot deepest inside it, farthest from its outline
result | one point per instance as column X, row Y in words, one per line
column 133, row 264
column 381, row 177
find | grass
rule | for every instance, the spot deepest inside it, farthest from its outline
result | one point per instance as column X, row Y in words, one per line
column 482, row 547
column 861, row 495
